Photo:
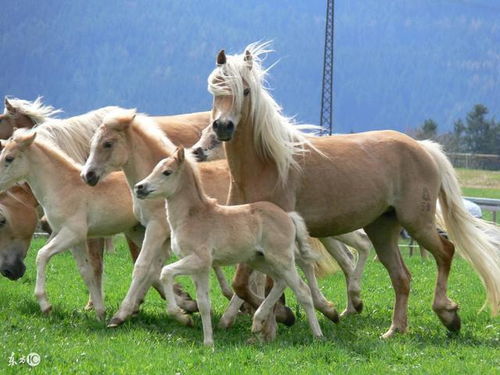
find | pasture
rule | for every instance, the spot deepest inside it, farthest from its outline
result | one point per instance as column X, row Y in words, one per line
column 72, row 341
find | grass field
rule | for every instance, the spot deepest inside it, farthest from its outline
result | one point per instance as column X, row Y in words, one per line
column 72, row 341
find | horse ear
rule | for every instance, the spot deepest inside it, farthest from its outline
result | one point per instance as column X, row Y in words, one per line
column 25, row 140
column 9, row 107
column 248, row 59
column 221, row 58
column 180, row 154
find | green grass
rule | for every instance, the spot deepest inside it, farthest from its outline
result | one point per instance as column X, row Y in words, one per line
column 72, row 341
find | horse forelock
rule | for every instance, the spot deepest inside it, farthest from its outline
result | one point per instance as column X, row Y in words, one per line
column 275, row 135
column 35, row 110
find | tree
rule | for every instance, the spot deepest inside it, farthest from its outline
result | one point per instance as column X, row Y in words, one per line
column 480, row 135
column 428, row 130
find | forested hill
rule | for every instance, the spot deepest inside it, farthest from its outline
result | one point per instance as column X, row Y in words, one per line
column 397, row 62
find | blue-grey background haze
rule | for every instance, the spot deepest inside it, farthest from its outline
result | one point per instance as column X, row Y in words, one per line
column 397, row 62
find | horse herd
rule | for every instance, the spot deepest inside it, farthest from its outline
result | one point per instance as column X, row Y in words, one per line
column 292, row 199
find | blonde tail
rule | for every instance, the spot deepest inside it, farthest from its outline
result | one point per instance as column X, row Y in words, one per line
column 476, row 240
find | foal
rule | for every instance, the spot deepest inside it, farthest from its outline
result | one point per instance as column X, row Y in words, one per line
column 206, row 234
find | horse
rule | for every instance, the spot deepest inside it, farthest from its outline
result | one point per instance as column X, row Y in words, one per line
column 379, row 180
column 18, row 221
column 130, row 142
column 205, row 233
column 73, row 136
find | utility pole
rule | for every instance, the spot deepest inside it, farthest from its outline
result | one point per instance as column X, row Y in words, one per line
column 326, row 120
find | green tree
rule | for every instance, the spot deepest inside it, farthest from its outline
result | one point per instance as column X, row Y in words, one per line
column 428, row 130
column 480, row 135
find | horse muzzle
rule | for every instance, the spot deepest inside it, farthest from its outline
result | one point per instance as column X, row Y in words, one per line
column 224, row 130
column 90, row 178
column 13, row 271
column 142, row 191
column 199, row 154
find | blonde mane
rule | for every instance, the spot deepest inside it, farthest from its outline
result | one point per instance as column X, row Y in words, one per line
column 73, row 135
column 275, row 136
column 36, row 110
column 50, row 148
column 147, row 127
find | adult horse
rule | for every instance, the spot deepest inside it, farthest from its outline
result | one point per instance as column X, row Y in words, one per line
column 380, row 181
column 18, row 220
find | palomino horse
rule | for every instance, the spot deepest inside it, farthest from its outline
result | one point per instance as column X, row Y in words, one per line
column 205, row 233
column 18, row 220
column 129, row 142
column 209, row 148
column 74, row 210
column 380, row 181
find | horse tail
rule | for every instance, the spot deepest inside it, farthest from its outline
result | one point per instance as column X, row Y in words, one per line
column 325, row 264
column 476, row 240
column 306, row 252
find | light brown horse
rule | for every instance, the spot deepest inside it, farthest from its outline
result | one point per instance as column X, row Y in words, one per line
column 18, row 220
column 379, row 181
column 205, row 233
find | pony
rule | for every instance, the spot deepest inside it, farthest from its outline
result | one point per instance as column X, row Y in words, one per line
column 379, row 180
column 205, row 233
column 128, row 141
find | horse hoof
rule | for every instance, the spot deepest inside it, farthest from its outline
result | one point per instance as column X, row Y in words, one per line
column 89, row 306
column 46, row 311
column 333, row 315
column 190, row 307
column 115, row 322
column 184, row 319
column 257, row 326
column 359, row 307
column 225, row 323
column 454, row 325
column 392, row 332
column 285, row 315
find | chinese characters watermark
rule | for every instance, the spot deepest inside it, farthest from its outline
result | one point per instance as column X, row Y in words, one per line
column 32, row 359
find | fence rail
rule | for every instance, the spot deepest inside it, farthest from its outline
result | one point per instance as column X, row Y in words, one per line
column 475, row 161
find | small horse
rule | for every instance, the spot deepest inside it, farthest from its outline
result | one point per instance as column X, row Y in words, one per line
column 205, row 233
column 380, row 181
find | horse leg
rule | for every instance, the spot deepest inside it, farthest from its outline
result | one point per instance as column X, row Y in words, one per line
column 202, row 281
column 93, row 283
column 146, row 270
column 360, row 241
column 426, row 235
column 384, row 234
column 189, row 265
column 60, row 242
column 326, row 307
column 339, row 252
column 241, row 288
column 95, row 248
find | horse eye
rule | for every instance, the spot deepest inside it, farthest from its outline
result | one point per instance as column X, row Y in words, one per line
column 167, row 173
column 9, row 158
column 3, row 221
column 107, row 144
column 246, row 92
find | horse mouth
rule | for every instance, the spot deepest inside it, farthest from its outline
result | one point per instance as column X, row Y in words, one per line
column 143, row 194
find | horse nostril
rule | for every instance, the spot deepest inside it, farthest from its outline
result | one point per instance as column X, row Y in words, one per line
column 90, row 175
column 230, row 125
column 198, row 151
column 139, row 187
column 215, row 124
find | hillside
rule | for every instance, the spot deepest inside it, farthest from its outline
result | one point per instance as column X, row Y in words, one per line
column 397, row 62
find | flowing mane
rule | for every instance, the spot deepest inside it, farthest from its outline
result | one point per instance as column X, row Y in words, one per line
column 73, row 135
column 276, row 137
column 149, row 128
column 36, row 110
column 50, row 148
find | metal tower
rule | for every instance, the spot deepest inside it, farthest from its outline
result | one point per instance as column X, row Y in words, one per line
column 326, row 121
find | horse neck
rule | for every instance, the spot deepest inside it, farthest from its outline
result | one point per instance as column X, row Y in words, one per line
column 25, row 194
column 188, row 198
column 144, row 153
column 48, row 171
column 245, row 163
